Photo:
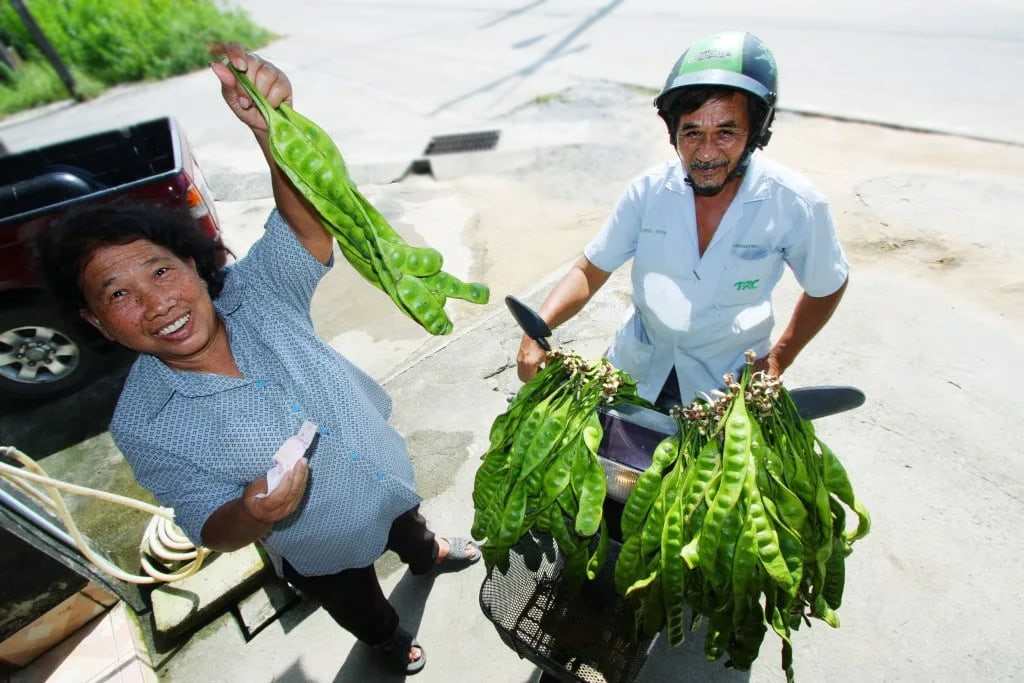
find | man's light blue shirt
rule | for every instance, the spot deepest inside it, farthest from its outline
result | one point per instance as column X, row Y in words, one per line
column 196, row 440
column 701, row 313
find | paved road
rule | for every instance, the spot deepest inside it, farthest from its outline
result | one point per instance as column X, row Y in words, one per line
column 934, row 64
column 387, row 74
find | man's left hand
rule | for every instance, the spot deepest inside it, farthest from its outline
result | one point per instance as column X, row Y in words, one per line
column 770, row 364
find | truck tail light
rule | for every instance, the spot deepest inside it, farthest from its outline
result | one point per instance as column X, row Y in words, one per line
column 195, row 201
column 198, row 196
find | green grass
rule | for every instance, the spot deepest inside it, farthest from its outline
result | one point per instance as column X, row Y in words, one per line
column 36, row 84
column 106, row 43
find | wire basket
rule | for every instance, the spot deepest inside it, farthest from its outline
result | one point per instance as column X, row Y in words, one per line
column 584, row 635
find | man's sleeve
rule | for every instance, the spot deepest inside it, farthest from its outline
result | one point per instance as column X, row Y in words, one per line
column 616, row 243
column 177, row 483
column 279, row 266
column 813, row 251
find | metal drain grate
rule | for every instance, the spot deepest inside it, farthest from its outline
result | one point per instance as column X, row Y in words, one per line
column 463, row 142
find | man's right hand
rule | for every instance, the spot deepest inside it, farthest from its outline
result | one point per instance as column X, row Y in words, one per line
column 529, row 359
column 282, row 501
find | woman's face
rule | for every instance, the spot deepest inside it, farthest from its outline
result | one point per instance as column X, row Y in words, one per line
column 142, row 296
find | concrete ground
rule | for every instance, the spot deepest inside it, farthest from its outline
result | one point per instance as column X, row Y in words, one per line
column 929, row 328
column 930, row 325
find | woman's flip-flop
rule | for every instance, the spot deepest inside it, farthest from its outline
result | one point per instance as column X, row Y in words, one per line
column 395, row 651
column 462, row 552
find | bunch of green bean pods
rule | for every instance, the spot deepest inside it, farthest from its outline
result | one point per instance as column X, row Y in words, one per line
column 541, row 470
column 741, row 518
column 410, row 276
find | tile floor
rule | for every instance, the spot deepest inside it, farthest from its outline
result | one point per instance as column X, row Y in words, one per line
column 103, row 651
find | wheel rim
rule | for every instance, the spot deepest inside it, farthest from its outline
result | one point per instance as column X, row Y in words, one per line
column 34, row 354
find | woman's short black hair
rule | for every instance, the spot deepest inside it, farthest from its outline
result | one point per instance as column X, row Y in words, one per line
column 690, row 100
column 65, row 247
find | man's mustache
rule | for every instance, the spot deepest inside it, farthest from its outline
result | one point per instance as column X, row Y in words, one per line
column 708, row 165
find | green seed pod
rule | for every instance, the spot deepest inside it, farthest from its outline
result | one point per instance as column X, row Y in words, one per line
column 673, row 573
column 317, row 137
column 445, row 284
column 512, row 518
column 555, row 480
column 310, row 159
column 735, row 462
column 766, row 539
column 422, row 307
column 600, row 553
column 838, row 483
column 409, row 260
column 628, row 564
column 591, row 504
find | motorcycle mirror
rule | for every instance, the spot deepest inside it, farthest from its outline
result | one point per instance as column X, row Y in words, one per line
column 816, row 402
column 531, row 323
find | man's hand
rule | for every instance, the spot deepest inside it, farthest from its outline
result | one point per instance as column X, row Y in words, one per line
column 770, row 364
column 282, row 501
column 529, row 359
column 268, row 79
column 809, row 316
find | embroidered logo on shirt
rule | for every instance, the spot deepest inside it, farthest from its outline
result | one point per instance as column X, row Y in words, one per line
column 741, row 285
column 655, row 231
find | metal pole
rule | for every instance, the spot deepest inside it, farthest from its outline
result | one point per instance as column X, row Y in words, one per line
column 21, row 520
column 46, row 525
column 47, row 49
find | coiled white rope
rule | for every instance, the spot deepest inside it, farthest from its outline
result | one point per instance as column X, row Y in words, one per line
column 161, row 540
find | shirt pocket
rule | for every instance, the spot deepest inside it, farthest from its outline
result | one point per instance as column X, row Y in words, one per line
column 651, row 246
column 749, row 275
column 252, row 423
column 631, row 351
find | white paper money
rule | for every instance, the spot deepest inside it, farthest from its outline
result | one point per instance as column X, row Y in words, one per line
column 288, row 454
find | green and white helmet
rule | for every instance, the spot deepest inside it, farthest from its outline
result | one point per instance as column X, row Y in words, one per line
column 732, row 60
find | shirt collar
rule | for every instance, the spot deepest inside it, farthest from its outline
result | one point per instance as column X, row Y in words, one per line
column 162, row 381
column 753, row 188
column 230, row 297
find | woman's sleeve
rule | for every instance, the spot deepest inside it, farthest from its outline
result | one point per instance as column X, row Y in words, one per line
column 179, row 484
column 278, row 266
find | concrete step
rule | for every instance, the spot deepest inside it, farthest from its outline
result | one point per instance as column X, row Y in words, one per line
column 225, row 579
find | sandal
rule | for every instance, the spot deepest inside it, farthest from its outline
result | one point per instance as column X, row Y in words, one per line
column 395, row 651
column 462, row 552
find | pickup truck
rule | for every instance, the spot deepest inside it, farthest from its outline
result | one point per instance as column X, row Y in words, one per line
column 44, row 352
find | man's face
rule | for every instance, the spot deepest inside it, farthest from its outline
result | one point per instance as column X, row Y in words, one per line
column 711, row 140
column 142, row 296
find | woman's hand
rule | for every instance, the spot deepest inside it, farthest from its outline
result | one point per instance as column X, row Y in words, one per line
column 529, row 359
column 282, row 501
column 268, row 79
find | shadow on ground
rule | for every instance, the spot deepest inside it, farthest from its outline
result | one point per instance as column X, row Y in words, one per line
column 409, row 598
column 43, row 427
column 687, row 662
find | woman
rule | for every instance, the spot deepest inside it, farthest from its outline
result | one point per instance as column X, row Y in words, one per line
column 231, row 367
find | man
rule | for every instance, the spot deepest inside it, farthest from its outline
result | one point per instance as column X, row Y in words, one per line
column 230, row 367
column 709, row 234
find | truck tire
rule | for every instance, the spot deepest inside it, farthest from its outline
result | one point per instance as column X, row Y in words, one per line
column 42, row 353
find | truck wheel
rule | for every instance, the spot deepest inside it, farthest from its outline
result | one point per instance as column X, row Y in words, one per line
column 42, row 354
